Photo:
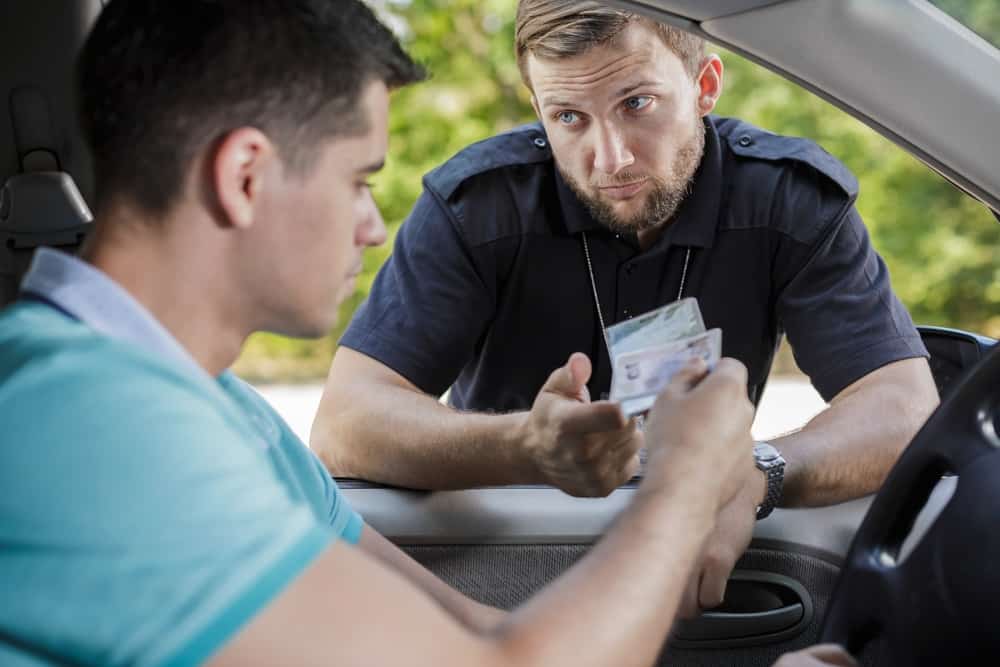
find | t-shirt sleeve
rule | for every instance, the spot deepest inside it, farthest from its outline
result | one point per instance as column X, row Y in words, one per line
column 429, row 305
column 838, row 308
column 301, row 461
column 145, row 526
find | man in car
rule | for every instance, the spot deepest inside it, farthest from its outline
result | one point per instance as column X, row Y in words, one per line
column 627, row 195
column 155, row 509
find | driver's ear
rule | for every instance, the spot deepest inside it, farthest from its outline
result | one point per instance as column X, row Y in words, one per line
column 238, row 171
column 709, row 84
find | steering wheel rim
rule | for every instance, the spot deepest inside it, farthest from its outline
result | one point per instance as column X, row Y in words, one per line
column 936, row 605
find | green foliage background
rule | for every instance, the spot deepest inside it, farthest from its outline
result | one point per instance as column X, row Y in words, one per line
column 941, row 246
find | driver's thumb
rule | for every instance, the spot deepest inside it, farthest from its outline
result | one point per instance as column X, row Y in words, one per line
column 571, row 379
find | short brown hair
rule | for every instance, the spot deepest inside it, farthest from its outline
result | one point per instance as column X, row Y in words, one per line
column 566, row 28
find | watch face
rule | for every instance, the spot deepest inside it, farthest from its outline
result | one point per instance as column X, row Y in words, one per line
column 764, row 452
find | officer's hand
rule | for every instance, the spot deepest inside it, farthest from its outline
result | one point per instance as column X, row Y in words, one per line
column 584, row 448
column 820, row 655
column 733, row 530
column 699, row 430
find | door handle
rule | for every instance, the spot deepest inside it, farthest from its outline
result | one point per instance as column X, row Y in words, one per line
column 759, row 608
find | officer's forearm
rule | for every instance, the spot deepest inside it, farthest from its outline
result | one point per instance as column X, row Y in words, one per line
column 372, row 426
column 846, row 451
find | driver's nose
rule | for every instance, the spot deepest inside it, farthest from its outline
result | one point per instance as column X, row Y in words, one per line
column 372, row 231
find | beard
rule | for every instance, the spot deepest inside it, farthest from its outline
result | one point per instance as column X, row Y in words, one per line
column 661, row 203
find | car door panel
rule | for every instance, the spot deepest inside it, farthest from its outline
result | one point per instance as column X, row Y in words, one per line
column 502, row 545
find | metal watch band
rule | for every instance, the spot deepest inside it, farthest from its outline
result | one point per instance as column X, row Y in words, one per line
column 769, row 460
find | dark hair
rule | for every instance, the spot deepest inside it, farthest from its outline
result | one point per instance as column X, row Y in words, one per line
column 161, row 79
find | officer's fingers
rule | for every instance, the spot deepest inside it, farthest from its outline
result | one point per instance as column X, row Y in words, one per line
column 599, row 417
column 632, row 466
column 570, row 379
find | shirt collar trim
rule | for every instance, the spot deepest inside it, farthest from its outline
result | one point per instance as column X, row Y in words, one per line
column 94, row 298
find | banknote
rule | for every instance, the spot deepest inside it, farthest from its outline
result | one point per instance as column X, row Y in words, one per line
column 639, row 375
column 680, row 319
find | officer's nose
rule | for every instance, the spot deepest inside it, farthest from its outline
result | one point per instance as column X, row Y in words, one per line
column 611, row 153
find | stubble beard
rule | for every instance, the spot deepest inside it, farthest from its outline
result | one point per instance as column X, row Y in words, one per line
column 662, row 202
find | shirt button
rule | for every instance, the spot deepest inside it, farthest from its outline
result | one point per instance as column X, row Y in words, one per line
column 540, row 142
column 628, row 269
column 627, row 315
column 745, row 140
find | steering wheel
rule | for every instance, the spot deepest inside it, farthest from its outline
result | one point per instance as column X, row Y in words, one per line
column 940, row 604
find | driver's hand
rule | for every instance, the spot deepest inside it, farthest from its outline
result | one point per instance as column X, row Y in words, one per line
column 819, row 655
column 733, row 530
column 584, row 448
column 699, row 431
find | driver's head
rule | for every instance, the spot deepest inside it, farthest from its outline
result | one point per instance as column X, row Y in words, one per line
column 621, row 98
column 261, row 118
column 159, row 80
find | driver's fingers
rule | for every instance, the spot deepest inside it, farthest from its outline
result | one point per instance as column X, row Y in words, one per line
column 689, row 601
column 689, row 375
column 712, row 588
column 831, row 654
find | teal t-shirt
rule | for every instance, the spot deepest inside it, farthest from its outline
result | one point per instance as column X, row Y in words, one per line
column 146, row 512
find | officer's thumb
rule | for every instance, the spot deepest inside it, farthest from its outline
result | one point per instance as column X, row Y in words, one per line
column 571, row 379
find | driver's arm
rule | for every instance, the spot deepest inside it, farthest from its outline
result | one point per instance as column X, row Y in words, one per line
column 350, row 608
column 475, row 616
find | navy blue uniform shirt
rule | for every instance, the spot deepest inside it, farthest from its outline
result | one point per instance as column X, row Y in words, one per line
column 487, row 289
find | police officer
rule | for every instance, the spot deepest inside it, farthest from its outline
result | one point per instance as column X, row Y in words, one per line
column 628, row 194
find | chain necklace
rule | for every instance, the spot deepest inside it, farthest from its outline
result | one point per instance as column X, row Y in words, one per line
column 597, row 299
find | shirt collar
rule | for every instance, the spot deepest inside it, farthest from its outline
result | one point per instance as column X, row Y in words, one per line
column 696, row 219
column 91, row 296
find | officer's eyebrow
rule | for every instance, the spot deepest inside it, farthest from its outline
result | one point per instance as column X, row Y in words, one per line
column 555, row 102
column 628, row 90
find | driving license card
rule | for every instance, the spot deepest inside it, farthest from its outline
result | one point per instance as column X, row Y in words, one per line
column 680, row 319
column 638, row 376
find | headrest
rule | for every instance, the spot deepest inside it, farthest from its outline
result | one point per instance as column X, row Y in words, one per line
column 44, row 163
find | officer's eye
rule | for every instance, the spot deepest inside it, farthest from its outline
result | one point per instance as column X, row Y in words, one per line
column 567, row 117
column 638, row 102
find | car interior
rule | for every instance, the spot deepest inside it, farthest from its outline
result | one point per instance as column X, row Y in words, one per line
column 908, row 576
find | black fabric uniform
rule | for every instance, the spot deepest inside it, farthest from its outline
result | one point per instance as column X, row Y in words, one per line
column 488, row 287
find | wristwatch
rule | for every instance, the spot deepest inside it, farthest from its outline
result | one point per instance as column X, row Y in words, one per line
column 770, row 461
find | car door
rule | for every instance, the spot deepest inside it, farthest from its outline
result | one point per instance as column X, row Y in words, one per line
column 500, row 545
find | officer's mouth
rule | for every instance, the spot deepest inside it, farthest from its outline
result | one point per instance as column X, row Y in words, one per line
column 624, row 191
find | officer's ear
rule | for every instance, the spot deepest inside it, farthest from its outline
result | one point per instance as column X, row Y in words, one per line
column 709, row 83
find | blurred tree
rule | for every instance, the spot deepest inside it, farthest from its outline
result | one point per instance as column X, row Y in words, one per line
column 940, row 245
